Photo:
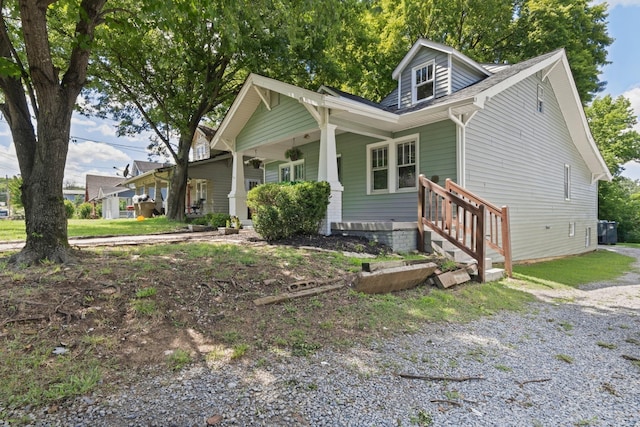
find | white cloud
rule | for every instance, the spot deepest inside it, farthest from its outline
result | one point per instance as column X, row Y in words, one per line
column 8, row 160
column 614, row 3
column 89, row 152
column 633, row 95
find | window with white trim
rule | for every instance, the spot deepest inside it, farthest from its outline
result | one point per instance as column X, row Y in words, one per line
column 423, row 84
column 407, row 165
column 392, row 166
column 567, row 182
column 540, row 99
column 587, row 237
column 293, row 171
column 572, row 228
column 380, row 168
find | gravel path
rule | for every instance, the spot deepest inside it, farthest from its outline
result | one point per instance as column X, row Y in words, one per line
column 558, row 364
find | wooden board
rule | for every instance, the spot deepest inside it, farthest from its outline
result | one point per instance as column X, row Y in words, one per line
column 394, row 279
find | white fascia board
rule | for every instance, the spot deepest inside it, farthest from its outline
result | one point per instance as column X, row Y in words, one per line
column 439, row 47
column 235, row 106
column 566, row 91
column 487, row 94
column 469, row 105
column 356, row 107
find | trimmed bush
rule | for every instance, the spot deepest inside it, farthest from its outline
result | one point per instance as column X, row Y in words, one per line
column 84, row 210
column 286, row 209
column 69, row 208
column 217, row 219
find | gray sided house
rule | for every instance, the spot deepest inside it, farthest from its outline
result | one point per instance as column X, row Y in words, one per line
column 514, row 135
column 210, row 176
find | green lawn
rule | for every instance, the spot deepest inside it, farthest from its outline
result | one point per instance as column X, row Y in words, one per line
column 15, row 230
column 598, row 266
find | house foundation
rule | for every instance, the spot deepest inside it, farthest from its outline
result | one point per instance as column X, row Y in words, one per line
column 399, row 236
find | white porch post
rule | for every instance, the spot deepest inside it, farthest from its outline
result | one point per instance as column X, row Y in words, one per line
column 238, row 194
column 328, row 171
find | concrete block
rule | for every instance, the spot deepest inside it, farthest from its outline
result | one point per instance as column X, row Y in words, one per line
column 450, row 278
column 493, row 274
column 394, row 279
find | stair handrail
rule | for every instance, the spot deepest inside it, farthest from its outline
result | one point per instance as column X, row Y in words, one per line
column 495, row 214
column 468, row 233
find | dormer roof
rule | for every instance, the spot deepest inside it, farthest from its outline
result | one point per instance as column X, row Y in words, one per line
column 421, row 43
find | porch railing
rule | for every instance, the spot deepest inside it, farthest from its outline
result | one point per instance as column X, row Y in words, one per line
column 465, row 220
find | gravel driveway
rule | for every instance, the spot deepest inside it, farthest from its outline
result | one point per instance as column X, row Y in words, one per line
column 561, row 363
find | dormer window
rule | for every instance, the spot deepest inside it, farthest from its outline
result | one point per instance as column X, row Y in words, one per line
column 423, row 82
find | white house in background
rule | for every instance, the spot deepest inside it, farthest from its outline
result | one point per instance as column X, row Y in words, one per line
column 515, row 135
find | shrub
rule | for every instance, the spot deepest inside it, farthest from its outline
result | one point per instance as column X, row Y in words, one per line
column 69, row 208
column 84, row 210
column 217, row 219
column 286, row 209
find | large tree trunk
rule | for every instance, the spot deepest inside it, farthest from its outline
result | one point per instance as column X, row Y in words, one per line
column 180, row 177
column 46, row 221
column 42, row 155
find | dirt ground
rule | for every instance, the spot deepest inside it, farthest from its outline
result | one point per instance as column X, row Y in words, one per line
column 132, row 306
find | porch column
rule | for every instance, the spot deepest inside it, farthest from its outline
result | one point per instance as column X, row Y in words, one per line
column 238, row 194
column 157, row 196
column 328, row 171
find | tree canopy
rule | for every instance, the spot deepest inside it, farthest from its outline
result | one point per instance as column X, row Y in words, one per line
column 492, row 31
column 165, row 67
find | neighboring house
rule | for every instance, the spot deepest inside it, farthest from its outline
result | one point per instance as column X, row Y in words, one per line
column 73, row 195
column 109, row 190
column 210, row 176
column 515, row 135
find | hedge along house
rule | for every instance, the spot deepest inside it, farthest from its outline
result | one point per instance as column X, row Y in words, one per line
column 515, row 135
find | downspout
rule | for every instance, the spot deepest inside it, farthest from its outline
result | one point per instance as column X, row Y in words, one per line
column 461, row 157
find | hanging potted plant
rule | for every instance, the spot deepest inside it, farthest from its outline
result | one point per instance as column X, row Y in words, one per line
column 255, row 162
column 293, row 154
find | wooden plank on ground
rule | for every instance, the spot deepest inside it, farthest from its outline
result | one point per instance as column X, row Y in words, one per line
column 394, row 279
column 272, row 299
column 375, row 266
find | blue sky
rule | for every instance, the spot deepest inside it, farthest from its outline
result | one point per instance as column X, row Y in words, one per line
column 97, row 150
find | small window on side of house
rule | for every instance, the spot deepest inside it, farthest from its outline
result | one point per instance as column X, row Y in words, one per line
column 380, row 168
column 567, row 182
column 407, row 165
column 423, row 82
column 292, row 171
column 587, row 237
column 540, row 99
column 572, row 228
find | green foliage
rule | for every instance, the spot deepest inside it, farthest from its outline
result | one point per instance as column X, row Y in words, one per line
column 84, row 210
column 178, row 359
column 284, row 210
column 599, row 266
column 612, row 124
column 217, row 219
column 492, row 31
column 15, row 192
column 70, row 208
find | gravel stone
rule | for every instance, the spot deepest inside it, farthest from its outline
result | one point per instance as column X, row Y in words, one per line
column 524, row 381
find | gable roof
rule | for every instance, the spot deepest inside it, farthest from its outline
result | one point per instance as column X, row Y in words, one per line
column 418, row 45
column 93, row 183
column 382, row 120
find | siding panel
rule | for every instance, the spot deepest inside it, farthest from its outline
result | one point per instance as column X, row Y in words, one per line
column 288, row 118
column 516, row 157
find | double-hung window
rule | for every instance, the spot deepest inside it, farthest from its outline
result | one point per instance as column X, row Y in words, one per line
column 567, row 182
column 423, row 81
column 392, row 166
column 293, row 171
column 380, row 168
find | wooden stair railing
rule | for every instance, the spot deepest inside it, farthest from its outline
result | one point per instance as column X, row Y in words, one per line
column 461, row 218
column 498, row 234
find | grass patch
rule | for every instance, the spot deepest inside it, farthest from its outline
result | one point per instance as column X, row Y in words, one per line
column 178, row 359
column 15, row 230
column 564, row 358
column 598, row 266
column 607, row 345
column 32, row 375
